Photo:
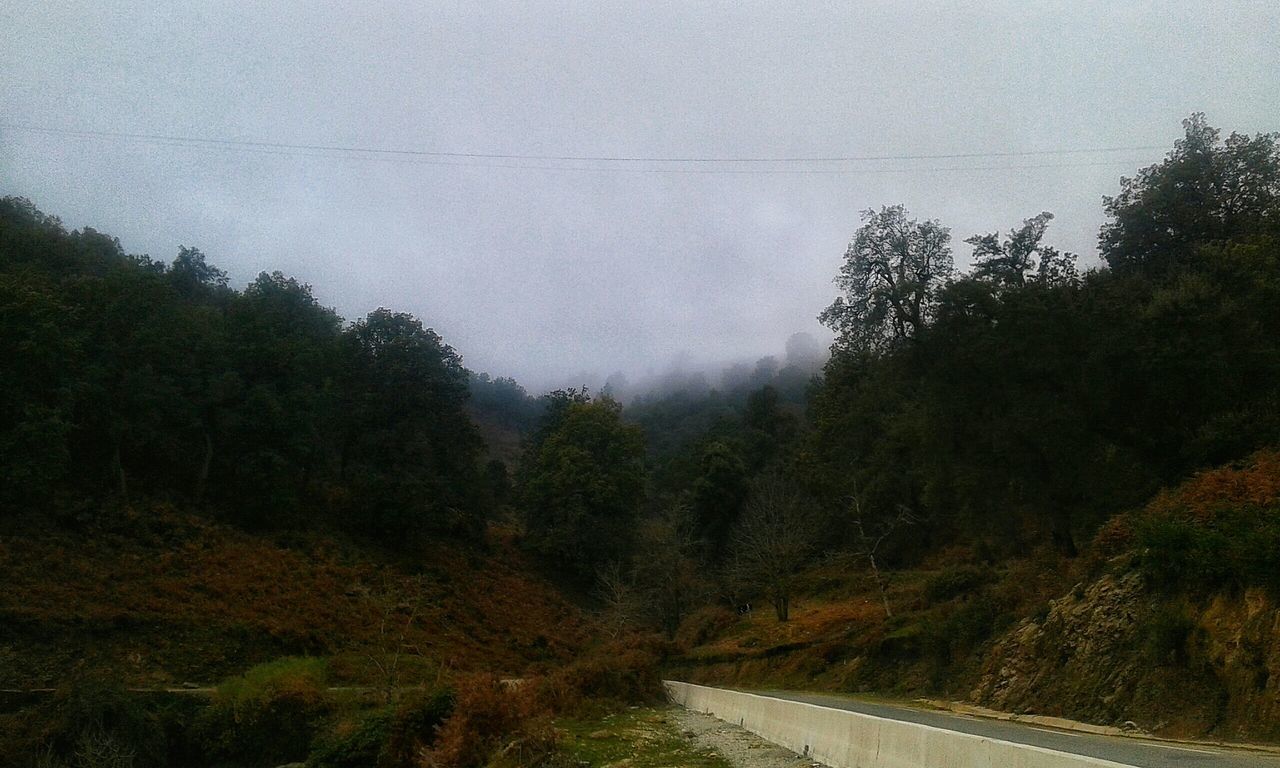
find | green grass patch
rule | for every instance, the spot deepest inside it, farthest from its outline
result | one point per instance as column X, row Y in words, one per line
column 645, row 738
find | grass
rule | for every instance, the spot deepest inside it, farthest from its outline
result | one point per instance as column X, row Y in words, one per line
column 637, row 738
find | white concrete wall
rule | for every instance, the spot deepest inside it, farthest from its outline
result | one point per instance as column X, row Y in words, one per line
column 844, row 739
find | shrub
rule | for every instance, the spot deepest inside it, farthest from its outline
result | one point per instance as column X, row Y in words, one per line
column 1115, row 537
column 92, row 722
column 614, row 674
column 1167, row 634
column 416, row 719
column 534, row 745
column 486, row 717
column 357, row 742
column 953, row 582
column 1221, row 529
column 269, row 714
column 391, row 736
column 1238, row 547
column 703, row 624
column 975, row 621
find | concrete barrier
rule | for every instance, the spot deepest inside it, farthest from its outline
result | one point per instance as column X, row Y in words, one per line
column 844, row 739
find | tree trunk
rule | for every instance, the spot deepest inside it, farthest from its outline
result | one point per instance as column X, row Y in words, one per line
column 881, row 587
column 202, row 477
column 118, row 465
column 782, row 606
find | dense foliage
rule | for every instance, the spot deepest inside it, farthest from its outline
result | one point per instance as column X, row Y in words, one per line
column 582, row 482
column 1031, row 403
column 127, row 379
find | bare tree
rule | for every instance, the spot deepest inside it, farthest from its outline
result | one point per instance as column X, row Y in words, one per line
column 99, row 748
column 661, row 584
column 870, row 535
column 400, row 607
column 772, row 542
column 617, row 590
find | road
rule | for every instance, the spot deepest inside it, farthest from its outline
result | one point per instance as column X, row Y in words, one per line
column 1144, row 753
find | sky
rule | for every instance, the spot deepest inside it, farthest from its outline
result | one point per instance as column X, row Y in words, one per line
column 562, row 271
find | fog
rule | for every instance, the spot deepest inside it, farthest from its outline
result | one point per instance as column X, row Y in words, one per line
column 558, row 271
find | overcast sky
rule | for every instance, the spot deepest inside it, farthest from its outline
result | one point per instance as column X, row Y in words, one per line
column 544, row 273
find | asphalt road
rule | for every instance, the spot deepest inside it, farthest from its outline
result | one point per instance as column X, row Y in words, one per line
column 1144, row 753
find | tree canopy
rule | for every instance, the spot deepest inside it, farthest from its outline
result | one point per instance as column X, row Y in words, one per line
column 129, row 379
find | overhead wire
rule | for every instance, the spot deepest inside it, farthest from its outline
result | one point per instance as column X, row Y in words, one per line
column 468, row 159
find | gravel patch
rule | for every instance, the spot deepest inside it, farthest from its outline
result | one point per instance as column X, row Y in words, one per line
column 742, row 748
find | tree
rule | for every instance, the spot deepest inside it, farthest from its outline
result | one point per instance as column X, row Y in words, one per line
column 773, row 541
column 870, row 536
column 617, row 591
column 408, row 445
column 890, row 277
column 1204, row 191
column 271, row 400
column 716, row 497
column 37, row 391
column 191, row 274
column 665, row 570
column 582, row 484
column 502, row 401
column 135, row 381
column 1021, row 257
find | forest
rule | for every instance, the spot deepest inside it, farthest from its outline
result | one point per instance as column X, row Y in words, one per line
column 1008, row 410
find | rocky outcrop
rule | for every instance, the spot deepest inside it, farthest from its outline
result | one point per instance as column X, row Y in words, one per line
column 1114, row 651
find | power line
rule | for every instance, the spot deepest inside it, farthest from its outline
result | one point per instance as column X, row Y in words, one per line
column 755, row 171
column 628, row 169
column 373, row 152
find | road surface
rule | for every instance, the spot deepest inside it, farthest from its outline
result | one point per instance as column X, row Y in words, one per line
column 1144, row 753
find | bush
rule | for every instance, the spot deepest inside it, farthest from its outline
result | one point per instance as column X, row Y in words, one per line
column 91, row 722
column 1218, row 530
column 534, row 745
column 357, row 742
column 487, row 717
column 1115, row 537
column 703, row 624
column 416, row 719
column 1235, row 548
column 269, row 714
column 975, row 621
column 953, row 582
column 614, row 674
column 1167, row 634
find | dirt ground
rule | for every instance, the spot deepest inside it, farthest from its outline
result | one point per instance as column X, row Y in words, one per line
column 740, row 747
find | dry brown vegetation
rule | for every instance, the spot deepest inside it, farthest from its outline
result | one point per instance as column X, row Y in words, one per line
column 164, row 597
column 945, row 611
column 510, row 722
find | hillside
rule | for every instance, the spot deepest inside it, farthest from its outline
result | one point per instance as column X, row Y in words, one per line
column 1111, row 638
column 164, row 598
